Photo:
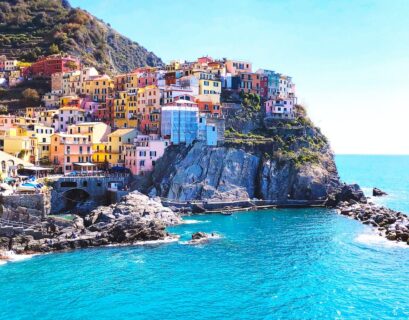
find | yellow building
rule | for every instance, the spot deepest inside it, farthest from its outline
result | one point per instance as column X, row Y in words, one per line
column 17, row 142
column 95, row 131
column 49, row 118
column 117, row 141
column 34, row 112
column 99, row 87
column 100, row 154
column 211, row 88
column 120, row 105
column 25, row 121
column 42, row 142
column 174, row 65
column 126, row 108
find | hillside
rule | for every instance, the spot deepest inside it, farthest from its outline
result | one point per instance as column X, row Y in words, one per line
column 31, row 28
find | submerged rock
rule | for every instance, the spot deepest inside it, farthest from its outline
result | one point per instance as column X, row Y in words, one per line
column 378, row 192
column 199, row 236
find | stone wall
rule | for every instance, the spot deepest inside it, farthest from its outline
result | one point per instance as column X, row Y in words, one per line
column 28, row 208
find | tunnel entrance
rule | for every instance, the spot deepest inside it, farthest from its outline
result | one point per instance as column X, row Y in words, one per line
column 74, row 197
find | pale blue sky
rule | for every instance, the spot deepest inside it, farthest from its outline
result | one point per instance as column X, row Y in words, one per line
column 349, row 58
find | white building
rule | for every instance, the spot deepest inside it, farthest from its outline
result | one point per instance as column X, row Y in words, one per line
column 179, row 124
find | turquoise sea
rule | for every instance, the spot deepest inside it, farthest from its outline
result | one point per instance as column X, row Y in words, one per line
column 276, row 264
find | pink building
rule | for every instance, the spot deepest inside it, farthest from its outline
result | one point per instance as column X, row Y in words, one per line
column 70, row 152
column 7, row 121
column 204, row 60
column 280, row 108
column 90, row 107
column 143, row 154
column 147, row 76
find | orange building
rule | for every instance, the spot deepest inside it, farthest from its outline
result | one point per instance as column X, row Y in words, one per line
column 206, row 105
column 70, row 152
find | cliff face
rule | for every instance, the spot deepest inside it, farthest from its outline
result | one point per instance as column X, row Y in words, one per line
column 292, row 162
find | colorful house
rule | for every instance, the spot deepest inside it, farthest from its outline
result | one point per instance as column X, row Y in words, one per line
column 206, row 105
column 280, row 108
column 117, row 141
column 98, row 87
column 209, row 85
column 148, row 105
column 96, row 132
column 46, row 66
column 69, row 115
column 238, row 66
column 141, row 156
column 70, row 152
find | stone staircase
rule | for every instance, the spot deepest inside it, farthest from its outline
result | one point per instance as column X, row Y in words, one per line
column 9, row 228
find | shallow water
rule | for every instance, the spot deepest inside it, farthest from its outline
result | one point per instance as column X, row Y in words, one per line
column 273, row 264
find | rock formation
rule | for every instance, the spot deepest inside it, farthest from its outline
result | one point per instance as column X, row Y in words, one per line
column 391, row 224
column 287, row 163
column 135, row 218
column 376, row 192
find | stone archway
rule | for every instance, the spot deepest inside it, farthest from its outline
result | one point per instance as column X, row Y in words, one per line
column 74, row 197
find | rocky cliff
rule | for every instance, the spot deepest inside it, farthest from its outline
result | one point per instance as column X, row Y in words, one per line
column 277, row 160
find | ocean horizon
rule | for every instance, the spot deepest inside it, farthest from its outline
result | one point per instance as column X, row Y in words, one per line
column 267, row 264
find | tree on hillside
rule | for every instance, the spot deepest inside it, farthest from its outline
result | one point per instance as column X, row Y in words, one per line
column 71, row 65
column 53, row 49
column 30, row 96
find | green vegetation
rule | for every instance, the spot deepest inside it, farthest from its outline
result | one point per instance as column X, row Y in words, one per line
column 299, row 158
column 250, row 105
column 31, row 28
column 13, row 98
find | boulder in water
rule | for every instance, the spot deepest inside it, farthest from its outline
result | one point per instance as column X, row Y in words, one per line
column 376, row 192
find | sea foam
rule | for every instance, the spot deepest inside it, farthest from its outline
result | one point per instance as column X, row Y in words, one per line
column 192, row 221
column 374, row 239
column 11, row 256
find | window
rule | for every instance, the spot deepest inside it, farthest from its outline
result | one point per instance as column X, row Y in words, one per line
column 142, row 163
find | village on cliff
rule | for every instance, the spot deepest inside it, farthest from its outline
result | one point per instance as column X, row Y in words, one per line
column 92, row 122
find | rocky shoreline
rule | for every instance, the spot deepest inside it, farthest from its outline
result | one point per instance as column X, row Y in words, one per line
column 139, row 219
column 391, row 224
column 350, row 201
column 134, row 219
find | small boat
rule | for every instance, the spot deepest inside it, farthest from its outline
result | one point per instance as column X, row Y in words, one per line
column 227, row 213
